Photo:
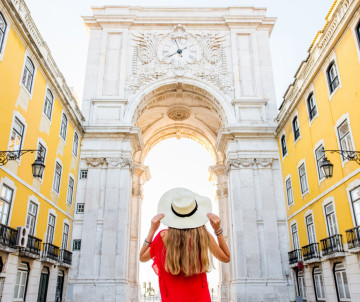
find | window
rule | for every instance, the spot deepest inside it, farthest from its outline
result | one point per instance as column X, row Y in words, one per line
column 301, row 284
column 6, row 196
column 65, row 237
column 41, row 152
column 63, row 127
column 333, row 77
column 21, row 282
column 28, row 74
column 80, row 208
column 76, row 244
column 310, row 228
column 17, row 135
column 331, row 219
column 289, row 193
column 318, row 284
column 296, row 129
column 311, row 106
column 358, row 32
column 355, row 200
column 3, row 26
column 345, row 137
column 49, row 100
column 51, row 229
column 303, row 179
column 295, row 238
column 31, row 218
column 283, row 145
column 57, row 177
column 319, row 155
column 83, row 174
column 75, row 144
column 70, row 191
column 342, row 286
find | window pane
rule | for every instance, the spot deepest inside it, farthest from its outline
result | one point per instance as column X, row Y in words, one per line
column 320, row 154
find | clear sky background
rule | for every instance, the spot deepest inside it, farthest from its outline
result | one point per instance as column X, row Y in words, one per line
column 175, row 163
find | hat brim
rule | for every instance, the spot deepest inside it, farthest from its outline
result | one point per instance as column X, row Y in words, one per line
column 196, row 220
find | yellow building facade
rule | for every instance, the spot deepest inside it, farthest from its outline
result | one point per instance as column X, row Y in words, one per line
column 321, row 112
column 37, row 112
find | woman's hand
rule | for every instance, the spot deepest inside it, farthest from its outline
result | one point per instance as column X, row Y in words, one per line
column 215, row 221
column 155, row 222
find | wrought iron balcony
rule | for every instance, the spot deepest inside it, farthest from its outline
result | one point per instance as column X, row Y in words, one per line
column 353, row 237
column 33, row 245
column 65, row 256
column 295, row 256
column 332, row 245
column 311, row 251
column 50, row 251
column 8, row 236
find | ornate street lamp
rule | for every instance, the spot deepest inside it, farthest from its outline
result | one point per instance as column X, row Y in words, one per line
column 37, row 167
column 327, row 167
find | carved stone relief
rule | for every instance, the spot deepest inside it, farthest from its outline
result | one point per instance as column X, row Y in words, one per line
column 200, row 55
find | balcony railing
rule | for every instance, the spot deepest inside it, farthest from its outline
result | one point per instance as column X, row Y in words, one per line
column 50, row 251
column 65, row 256
column 8, row 236
column 33, row 245
column 353, row 237
column 311, row 251
column 294, row 256
column 331, row 245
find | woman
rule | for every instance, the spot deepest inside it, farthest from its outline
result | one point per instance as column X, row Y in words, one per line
column 182, row 253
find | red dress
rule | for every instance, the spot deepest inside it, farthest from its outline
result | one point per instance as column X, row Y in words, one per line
column 177, row 288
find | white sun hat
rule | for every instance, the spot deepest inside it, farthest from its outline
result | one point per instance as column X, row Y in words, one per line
column 184, row 209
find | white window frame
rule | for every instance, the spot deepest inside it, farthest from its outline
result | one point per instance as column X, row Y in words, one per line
column 292, row 127
column 288, row 177
column 7, row 30
column 311, row 92
column 317, row 146
column 302, row 162
column 27, row 54
column 73, row 190
column 303, row 285
column 354, row 184
column 355, row 23
column 342, row 271
column 326, row 202
column 53, row 213
column 281, row 148
column 67, row 126
column 66, row 223
column 307, row 214
column 8, row 202
column 8, row 182
column 331, row 58
column 22, row 271
column 77, row 207
column 73, row 243
column 339, row 122
column 78, row 141
column 87, row 173
column 52, row 106
column 17, row 115
column 294, row 223
column 321, row 283
column 33, row 199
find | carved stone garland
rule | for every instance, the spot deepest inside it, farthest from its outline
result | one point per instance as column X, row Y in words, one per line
column 209, row 65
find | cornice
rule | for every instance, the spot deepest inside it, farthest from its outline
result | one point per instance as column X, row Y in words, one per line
column 29, row 33
column 340, row 18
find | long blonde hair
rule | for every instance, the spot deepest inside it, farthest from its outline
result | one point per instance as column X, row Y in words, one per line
column 187, row 251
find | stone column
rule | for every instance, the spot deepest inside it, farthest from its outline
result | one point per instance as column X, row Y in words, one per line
column 218, row 173
column 141, row 174
column 104, row 258
column 255, row 246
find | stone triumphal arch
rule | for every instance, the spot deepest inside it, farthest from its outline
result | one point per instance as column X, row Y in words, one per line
column 204, row 74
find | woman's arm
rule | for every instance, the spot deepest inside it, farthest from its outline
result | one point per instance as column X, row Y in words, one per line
column 220, row 250
column 145, row 250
